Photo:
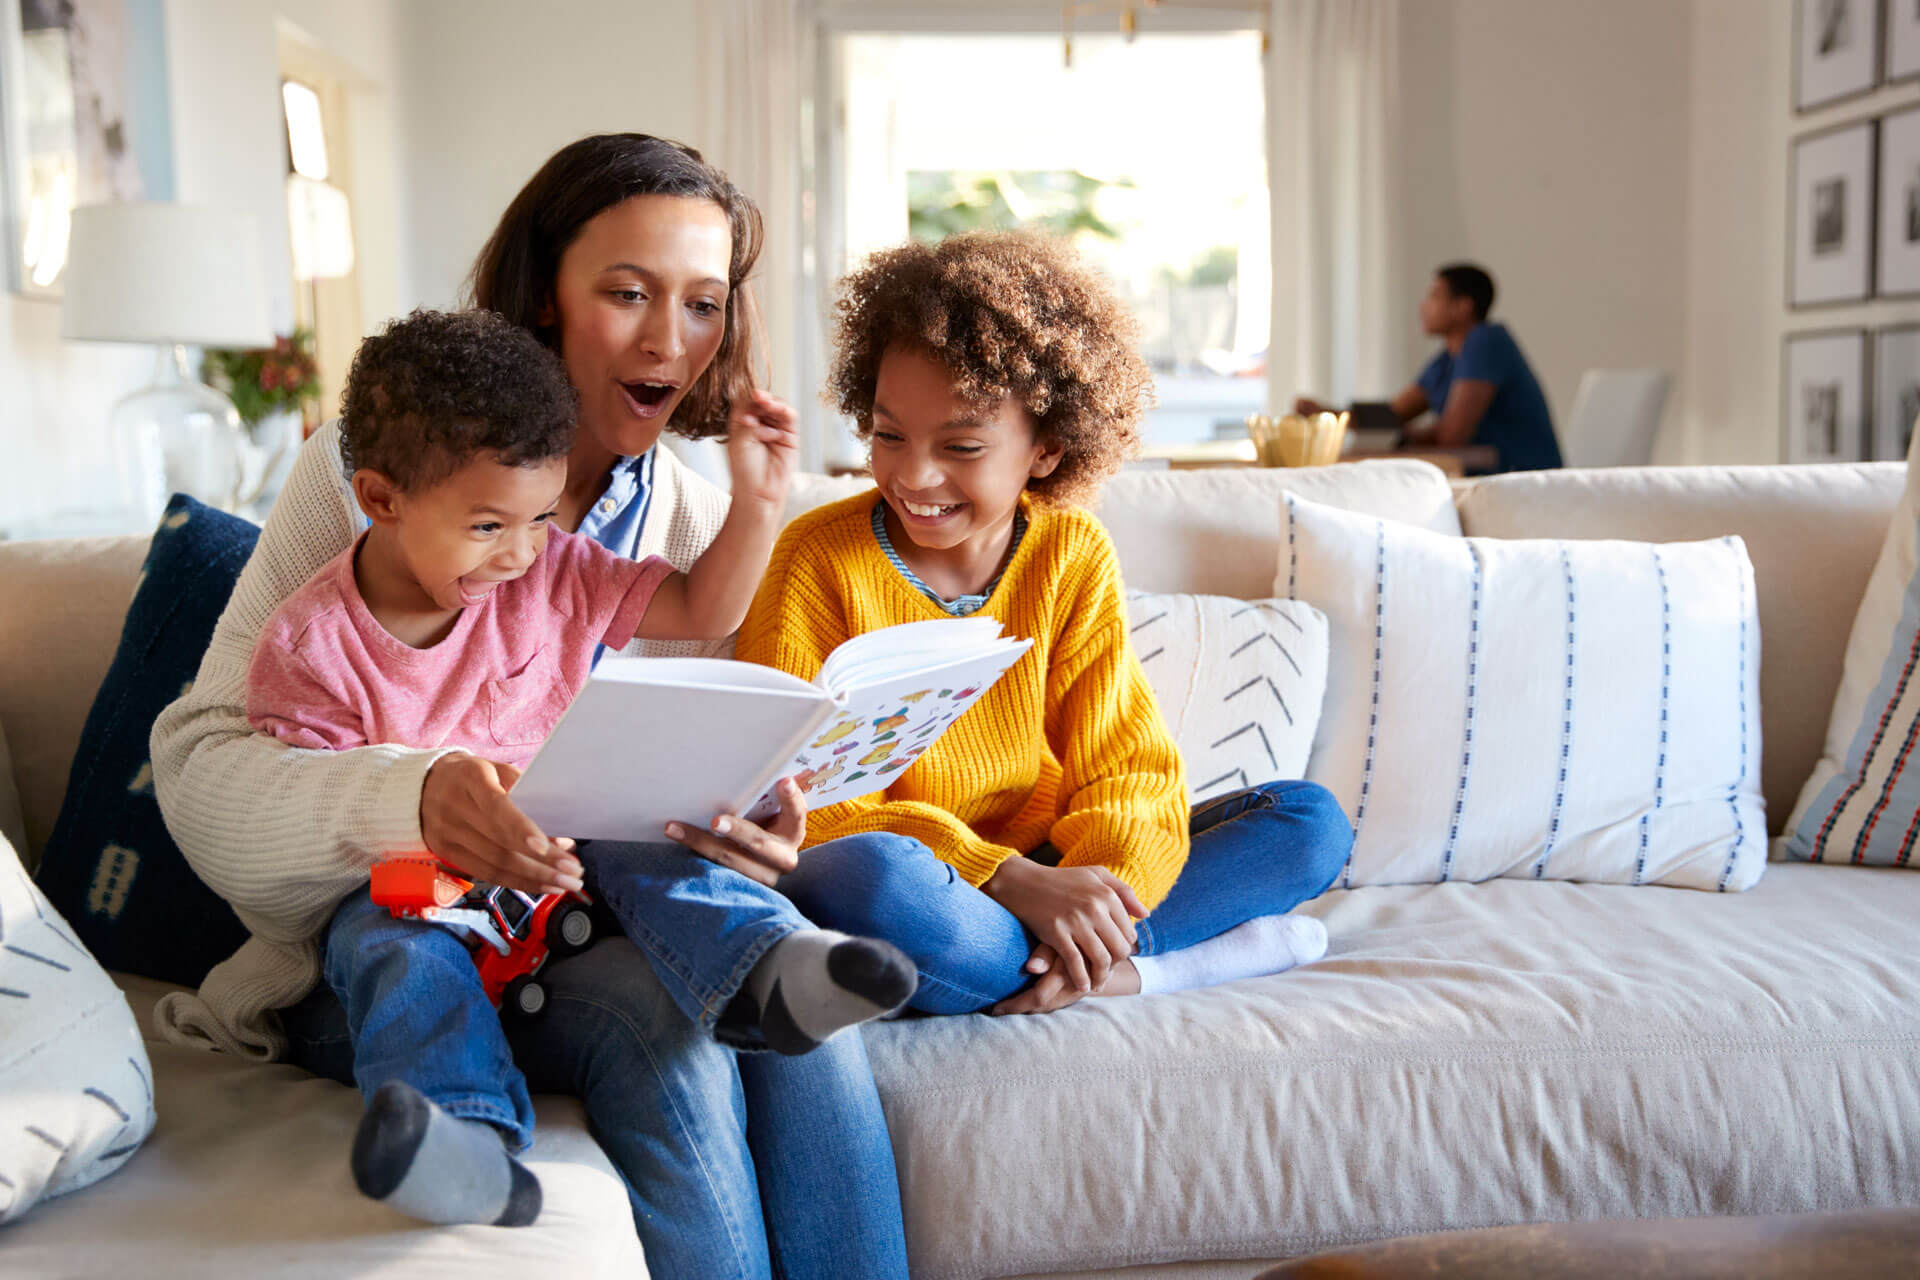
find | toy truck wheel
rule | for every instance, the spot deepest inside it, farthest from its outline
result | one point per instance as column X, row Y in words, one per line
column 570, row 930
column 524, row 997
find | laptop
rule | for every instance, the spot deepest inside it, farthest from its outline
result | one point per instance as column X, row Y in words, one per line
column 1373, row 425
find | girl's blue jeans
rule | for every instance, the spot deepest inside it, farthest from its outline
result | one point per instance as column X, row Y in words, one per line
column 736, row 1165
column 1257, row 852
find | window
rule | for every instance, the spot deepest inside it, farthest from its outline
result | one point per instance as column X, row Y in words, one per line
column 1164, row 188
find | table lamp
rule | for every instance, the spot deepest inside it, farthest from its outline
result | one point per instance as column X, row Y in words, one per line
column 174, row 276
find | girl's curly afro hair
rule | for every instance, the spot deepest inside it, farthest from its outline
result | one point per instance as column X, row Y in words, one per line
column 1009, row 314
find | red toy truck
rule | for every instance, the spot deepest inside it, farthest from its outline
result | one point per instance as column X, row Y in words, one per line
column 510, row 933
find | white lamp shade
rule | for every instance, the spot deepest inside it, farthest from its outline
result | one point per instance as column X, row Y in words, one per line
column 165, row 273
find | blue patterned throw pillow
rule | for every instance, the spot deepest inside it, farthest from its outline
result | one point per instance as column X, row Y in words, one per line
column 110, row 867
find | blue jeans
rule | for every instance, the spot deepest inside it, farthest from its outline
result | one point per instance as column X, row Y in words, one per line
column 701, row 925
column 736, row 1165
column 1258, row 852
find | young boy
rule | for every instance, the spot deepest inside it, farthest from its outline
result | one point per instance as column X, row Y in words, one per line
column 464, row 619
column 1048, row 832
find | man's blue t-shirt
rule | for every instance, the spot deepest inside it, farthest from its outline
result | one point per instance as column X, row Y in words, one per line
column 1518, row 422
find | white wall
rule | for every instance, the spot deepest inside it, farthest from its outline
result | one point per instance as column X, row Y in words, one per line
column 494, row 87
column 1737, row 316
column 1549, row 141
column 223, row 83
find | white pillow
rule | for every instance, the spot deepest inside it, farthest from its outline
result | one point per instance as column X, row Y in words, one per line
column 1862, row 802
column 76, row 1092
column 1239, row 682
column 1567, row 710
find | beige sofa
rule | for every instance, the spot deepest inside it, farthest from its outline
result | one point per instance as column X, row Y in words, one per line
column 1466, row 1055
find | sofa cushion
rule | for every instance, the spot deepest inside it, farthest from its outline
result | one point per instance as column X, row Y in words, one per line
column 1465, row 1056
column 76, row 1094
column 110, row 865
column 1861, row 804
column 246, row 1175
column 1239, row 681
column 13, row 826
column 1212, row 531
column 1812, row 531
column 1568, row 710
column 65, row 601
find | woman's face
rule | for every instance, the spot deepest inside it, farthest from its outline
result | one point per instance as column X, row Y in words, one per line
column 641, row 297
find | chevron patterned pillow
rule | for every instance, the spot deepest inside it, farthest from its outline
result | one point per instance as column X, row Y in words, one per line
column 1239, row 682
column 76, row 1092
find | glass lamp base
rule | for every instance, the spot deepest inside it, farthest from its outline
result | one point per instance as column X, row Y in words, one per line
column 176, row 436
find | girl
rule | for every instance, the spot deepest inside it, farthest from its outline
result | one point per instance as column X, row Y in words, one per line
column 626, row 255
column 1047, row 832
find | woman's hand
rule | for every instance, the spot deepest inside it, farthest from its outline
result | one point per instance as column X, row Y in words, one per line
column 469, row 823
column 759, row 853
column 761, row 447
column 1085, row 914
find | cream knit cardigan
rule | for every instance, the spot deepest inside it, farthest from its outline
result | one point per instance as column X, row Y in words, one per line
column 284, row 834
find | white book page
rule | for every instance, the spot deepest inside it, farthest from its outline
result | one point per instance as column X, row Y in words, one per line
column 634, row 752
column 882, row 727
column 900, row 650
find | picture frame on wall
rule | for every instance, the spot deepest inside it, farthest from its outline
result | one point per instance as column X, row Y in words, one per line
column 1901, row 36
column 1897, row 248
column 1836, row 51
column 1824, row 396
column 84, row 119
column 1830, row 258
column 1896, row 391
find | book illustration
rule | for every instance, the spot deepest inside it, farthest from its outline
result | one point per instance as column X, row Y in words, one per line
column 840, row 730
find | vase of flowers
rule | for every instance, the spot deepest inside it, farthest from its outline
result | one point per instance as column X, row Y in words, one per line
column 275, row 389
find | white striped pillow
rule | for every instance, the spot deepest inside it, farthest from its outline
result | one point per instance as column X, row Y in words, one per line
column 1862, row 803
column 1546, row 709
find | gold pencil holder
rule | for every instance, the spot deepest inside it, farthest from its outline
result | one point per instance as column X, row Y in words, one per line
column 1296, row 440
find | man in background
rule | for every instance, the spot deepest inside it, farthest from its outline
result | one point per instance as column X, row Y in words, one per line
column 1478, row 386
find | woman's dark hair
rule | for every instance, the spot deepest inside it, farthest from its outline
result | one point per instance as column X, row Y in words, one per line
column 1464, row 280
column 515, row 272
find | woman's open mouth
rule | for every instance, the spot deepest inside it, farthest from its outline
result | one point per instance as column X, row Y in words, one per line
column 648, row 399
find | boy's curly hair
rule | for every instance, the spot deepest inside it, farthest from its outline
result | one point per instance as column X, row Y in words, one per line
column 430, row 393
column 1009, row 313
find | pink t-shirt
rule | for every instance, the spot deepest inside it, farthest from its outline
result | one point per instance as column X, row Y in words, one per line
column 327, row 676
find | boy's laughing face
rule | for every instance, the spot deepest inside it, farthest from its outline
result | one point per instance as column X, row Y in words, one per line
column 950, row 470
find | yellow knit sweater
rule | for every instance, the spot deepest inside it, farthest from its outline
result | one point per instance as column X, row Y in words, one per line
column 1068, row 748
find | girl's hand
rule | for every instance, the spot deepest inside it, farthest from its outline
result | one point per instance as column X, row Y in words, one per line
column 1085, row 914
column 759, row 853
column 469, row 823
column 761, row 448
column 1052, row 990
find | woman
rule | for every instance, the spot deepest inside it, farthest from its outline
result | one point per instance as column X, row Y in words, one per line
column 627, row 254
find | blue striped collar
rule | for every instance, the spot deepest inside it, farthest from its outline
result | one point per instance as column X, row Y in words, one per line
column 960, row 606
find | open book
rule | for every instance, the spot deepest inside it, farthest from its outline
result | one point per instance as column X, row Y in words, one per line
column 653, row 740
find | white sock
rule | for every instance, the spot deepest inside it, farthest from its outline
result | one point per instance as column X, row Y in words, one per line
column 1267, row 944
column 814, row 982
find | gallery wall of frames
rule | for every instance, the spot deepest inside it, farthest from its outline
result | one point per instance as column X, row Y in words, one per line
column 1850, row 392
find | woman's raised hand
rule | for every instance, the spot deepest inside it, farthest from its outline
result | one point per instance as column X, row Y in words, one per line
column 762, row 445
column 469, row 823
column 760, row 853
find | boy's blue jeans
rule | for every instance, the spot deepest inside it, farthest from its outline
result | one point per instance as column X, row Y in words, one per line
column 1258, row 852
column 736, row 1165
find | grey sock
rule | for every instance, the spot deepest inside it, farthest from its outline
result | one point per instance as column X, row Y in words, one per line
column 814, row 982
column 436, row 1167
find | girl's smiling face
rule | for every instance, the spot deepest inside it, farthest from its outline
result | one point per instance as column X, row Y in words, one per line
column 951, row 471
column 640, row 301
